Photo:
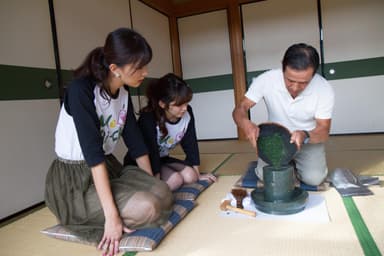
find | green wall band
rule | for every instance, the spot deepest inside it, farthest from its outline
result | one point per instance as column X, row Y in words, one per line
column 26, row 83
column 343, row 70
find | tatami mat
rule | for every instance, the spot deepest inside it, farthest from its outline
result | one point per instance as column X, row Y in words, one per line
column 23, row 238
column 355, row 142
column 206, row 233
column 221, row 146
column 367, row 162
column 371, row 209
column 208, row 162
column 237, row 164
column 225, row 146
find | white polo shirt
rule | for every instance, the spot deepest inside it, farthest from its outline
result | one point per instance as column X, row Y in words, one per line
column 315, row 102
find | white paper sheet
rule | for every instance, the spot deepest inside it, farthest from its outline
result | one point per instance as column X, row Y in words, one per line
column 315, row 210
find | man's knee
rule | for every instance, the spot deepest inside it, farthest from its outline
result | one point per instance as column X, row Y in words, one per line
column 313, row 178
column 311, row 164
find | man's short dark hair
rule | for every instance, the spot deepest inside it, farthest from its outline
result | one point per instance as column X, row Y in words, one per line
column 300, row 57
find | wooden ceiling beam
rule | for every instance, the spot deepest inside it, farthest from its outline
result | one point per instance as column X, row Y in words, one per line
column 192, row 7
column 201, row 6
column 198, row 6
column 163, row 6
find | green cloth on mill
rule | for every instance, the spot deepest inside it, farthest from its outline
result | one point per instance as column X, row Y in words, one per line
column 274, row 146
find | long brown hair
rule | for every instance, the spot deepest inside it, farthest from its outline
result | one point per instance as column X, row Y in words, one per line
column 169, row 88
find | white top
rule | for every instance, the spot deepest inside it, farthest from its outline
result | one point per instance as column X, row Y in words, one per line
column 176, row 132
column 112, row 115
column 315, row 102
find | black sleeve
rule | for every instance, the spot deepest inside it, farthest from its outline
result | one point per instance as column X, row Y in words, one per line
column 147, row 124
column 189, row 142
column 132, row 135
column 79, row 103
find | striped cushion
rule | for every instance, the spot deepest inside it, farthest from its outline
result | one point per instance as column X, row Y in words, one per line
column 148, row 239
column 191, row 191
column 60, row 232
column 140, row 240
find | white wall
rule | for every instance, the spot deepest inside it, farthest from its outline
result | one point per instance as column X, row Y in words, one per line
column 271, row 26
column 359, row 105
column 83, row 25
column 353, row 30
column 213, row 116
column 27, row 127
column 154, row 26
column 205, row 51
column 26, row 151
column 26, row 39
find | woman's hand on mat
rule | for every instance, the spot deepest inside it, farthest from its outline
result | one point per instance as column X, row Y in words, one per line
column 113, row 230
column 208, row 176
column 204, row 176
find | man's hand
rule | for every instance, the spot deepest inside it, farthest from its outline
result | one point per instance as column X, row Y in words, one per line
column 251, row 130
column 240, row 116
column 298, row 138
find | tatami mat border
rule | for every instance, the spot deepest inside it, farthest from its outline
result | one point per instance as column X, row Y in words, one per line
column 365, row 238
column 222, row 163
column 129, row 254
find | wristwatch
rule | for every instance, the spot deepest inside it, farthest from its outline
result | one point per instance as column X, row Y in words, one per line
column 307, row 137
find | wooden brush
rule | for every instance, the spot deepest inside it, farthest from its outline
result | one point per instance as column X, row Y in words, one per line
column 226, row 205
column 239, row 195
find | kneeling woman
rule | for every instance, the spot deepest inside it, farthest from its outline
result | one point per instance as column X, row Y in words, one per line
column 87, row 188
column 165, row 122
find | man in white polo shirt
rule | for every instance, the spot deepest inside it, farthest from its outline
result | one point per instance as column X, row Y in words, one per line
column 299, row 99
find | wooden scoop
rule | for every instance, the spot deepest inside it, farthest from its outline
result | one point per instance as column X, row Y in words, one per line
column 226, row 205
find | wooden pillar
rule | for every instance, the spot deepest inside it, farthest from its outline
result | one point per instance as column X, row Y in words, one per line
column 237, row 57
column 175, row 45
